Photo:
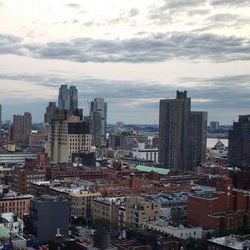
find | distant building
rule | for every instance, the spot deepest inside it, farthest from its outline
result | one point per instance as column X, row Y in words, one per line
column 21, row 128
column 98, row 120
column 18, row 121
column 141, row 152
column 67, row 137
column 178, row 129
column 239, row 143
column 68, row 97
column 197, row 147
column 214, row 126
column 50, row 111
column 47, row 215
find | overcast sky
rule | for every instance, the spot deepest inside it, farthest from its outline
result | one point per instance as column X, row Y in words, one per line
column 130, row 52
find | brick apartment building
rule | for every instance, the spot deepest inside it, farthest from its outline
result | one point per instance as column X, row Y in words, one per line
column 225, row 209
column 17, row 204
column 22, row 178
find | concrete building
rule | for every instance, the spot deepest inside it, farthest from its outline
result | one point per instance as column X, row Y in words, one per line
column 80, row 196
column 214, row 126
column 68, row 137
column 11, row 223
column 98, row 120
column 239, row 143
column 178, row 231
column 231, row 242
column 141, row 152
column 177, row 130
column 108, row 209
column 139, row 210
column 50, row 111
column 47, row 215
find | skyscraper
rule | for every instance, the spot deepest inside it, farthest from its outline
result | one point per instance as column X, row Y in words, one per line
column 64, row 97
column 98, row 120
column 239, row 142
column 68, row 97
column 18, row 128
column 27, row 122
column 73, row 97
column 197, row 138
column 181, row 133
column 21, row 128
column 50, row 111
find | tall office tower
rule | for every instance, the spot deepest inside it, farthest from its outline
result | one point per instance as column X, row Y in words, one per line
column 98, row 120
column 64, row 97
column 73, row 97
column 68, row 97
column 197, row 138
column 50, row 111
column 239, row 142
column 18, row 122
column 68, row 136
column 177, row 130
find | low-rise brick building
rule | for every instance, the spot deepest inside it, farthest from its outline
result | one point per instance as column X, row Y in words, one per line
column 225, row 209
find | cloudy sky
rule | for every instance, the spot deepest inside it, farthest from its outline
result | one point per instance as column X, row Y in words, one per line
column 132, row 53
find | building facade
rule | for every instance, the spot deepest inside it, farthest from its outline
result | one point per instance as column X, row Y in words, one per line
column 21, row 128
column 139, row 210
column 68, row 97
column 178, row 127
column 239, row 142
column 68, row 137
column 15, row 203
column 50, row 111
column 47, row 215
column 98, row 120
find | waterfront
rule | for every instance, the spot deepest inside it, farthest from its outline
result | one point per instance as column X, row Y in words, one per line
column 212, row 141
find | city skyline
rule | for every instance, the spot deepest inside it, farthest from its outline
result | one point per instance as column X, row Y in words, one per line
column 131, row 54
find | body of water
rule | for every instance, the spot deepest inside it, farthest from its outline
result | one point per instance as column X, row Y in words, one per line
column 212, row 141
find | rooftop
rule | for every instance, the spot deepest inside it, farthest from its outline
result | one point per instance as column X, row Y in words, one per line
column 231, row 241
column 161, row 171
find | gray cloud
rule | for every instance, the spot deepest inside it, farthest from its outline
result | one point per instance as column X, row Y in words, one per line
column 73, row 5
column 180, row 4
column 151, row 48
column 10, row 44
column 238, row 3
